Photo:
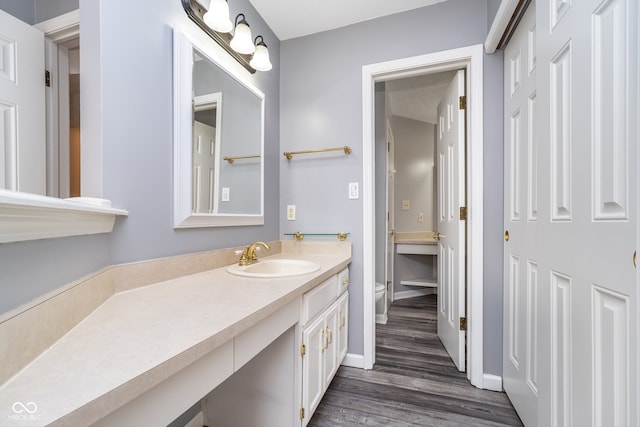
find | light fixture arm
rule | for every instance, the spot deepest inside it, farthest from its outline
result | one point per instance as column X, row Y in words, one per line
column 195, row 11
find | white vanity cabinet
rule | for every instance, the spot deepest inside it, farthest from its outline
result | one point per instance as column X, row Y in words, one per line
column 324, row 326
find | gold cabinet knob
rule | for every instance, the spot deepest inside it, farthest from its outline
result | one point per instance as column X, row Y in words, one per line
column 506, row 236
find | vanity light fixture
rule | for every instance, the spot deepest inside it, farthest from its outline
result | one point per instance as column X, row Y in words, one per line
column 252, row 55
column 260, row 60
column 217, row 17
column 242, row 40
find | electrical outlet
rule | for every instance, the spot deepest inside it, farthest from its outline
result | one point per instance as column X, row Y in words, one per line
column 225, row 194
column 291, row 212
column 421, row 217
column 353, row 190
column 406, row 205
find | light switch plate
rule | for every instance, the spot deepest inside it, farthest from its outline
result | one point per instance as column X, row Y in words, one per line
column 421, row 217
column 225, row 194
column 291, row 212
column 354, row 192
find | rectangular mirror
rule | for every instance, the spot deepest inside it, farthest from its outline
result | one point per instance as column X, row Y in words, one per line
column 218, row 140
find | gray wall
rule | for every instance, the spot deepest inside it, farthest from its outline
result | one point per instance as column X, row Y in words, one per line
column 136, row 71
column 34, row 11
column 414, row 179
column 321, row 106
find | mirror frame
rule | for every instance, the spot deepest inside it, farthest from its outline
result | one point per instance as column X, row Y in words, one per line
column 185, row 40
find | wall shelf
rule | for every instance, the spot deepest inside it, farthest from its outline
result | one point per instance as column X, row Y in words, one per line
column 299, row 235
column 423, row 283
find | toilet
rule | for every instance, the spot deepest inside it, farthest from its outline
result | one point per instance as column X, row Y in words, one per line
column 380, row 300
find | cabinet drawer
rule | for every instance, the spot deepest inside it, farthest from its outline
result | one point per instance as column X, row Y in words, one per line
column 318, row 298
column 343, row 281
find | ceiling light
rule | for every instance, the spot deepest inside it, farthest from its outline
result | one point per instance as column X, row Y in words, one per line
column 260, row 60
column 242, row 40
column 217, row 17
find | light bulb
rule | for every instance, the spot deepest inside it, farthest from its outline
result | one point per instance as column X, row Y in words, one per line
column 217, row 17
column 260, row 60
column 242, row 41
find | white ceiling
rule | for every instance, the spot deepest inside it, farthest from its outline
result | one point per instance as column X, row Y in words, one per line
column 417, row 97
column 289, row 19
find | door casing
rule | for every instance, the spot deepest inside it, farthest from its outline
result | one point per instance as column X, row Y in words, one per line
column 469, row 58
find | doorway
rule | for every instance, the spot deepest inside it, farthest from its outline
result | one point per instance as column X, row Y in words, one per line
column 405, row 159
column 469, row 59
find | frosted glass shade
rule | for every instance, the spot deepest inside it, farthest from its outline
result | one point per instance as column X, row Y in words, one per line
column 242, row 41
column 217, row 17
column 260, row 60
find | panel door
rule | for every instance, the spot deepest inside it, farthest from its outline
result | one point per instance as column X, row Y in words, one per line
column 520, row 367
column 204, row 158
column 332, row 333
column 313, row 379
column 343, row 326
column 390, row 236
column 22, row 107
column 451, row 196
column 587, row 55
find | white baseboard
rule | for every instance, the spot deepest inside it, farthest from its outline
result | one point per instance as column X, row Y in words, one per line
column 354, row 360
column 414, row 293
column 492, row 382
column 381, row 319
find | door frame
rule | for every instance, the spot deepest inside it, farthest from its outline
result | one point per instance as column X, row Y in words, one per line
column 469, row 58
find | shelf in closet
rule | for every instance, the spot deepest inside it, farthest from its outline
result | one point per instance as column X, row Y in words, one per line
column 423, row 283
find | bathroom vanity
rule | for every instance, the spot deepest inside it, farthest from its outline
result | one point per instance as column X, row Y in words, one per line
column 418, row 243
column 251, row 349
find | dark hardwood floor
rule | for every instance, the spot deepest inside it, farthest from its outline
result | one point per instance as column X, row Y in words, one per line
column 414, row 381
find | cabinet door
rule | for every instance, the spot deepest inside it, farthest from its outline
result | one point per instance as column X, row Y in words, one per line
column 343, row 326
column 331, row 351
column 313, row 338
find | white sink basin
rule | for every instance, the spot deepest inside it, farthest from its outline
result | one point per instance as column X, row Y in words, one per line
column 274, row 268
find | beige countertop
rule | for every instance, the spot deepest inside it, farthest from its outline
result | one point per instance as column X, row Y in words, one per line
column 139, row 338
column 415, row 238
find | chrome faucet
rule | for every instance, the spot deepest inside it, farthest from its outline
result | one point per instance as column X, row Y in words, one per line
column 249, row 256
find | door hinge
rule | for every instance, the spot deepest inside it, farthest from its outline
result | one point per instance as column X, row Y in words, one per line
column 463, row 102
column 303, row 350
column 302, row 412
column 47, row 78
column 463, row 323
column 463, row 213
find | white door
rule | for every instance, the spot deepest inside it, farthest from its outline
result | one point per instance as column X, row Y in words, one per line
column 22, row 107
column 343, row 326
column 587, row 92
column 204, row 156
column 573, row 248
column 391, row 171
column 451, row 197
column 313, row 337
column 520, row 371
column 331, row 329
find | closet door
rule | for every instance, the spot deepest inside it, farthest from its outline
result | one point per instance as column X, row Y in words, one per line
column 587, row 78
column 520, row 333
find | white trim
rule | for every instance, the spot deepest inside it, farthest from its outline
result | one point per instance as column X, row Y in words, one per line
column 185, row 38
column 414, row 293
column 492, row 382
column 382, row 319
column 25, row 216
column 61, row 28
column 471, row 58
column 499, row 25
column 353, row 360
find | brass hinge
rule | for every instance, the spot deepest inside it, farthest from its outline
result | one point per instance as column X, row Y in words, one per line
column 47, row 78
column 302, row 412
column 463, row 102
column 463, row 213
column 463, row 323
column 303, row 350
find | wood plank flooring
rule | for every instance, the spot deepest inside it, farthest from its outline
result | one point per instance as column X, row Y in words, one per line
column 414, row 381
